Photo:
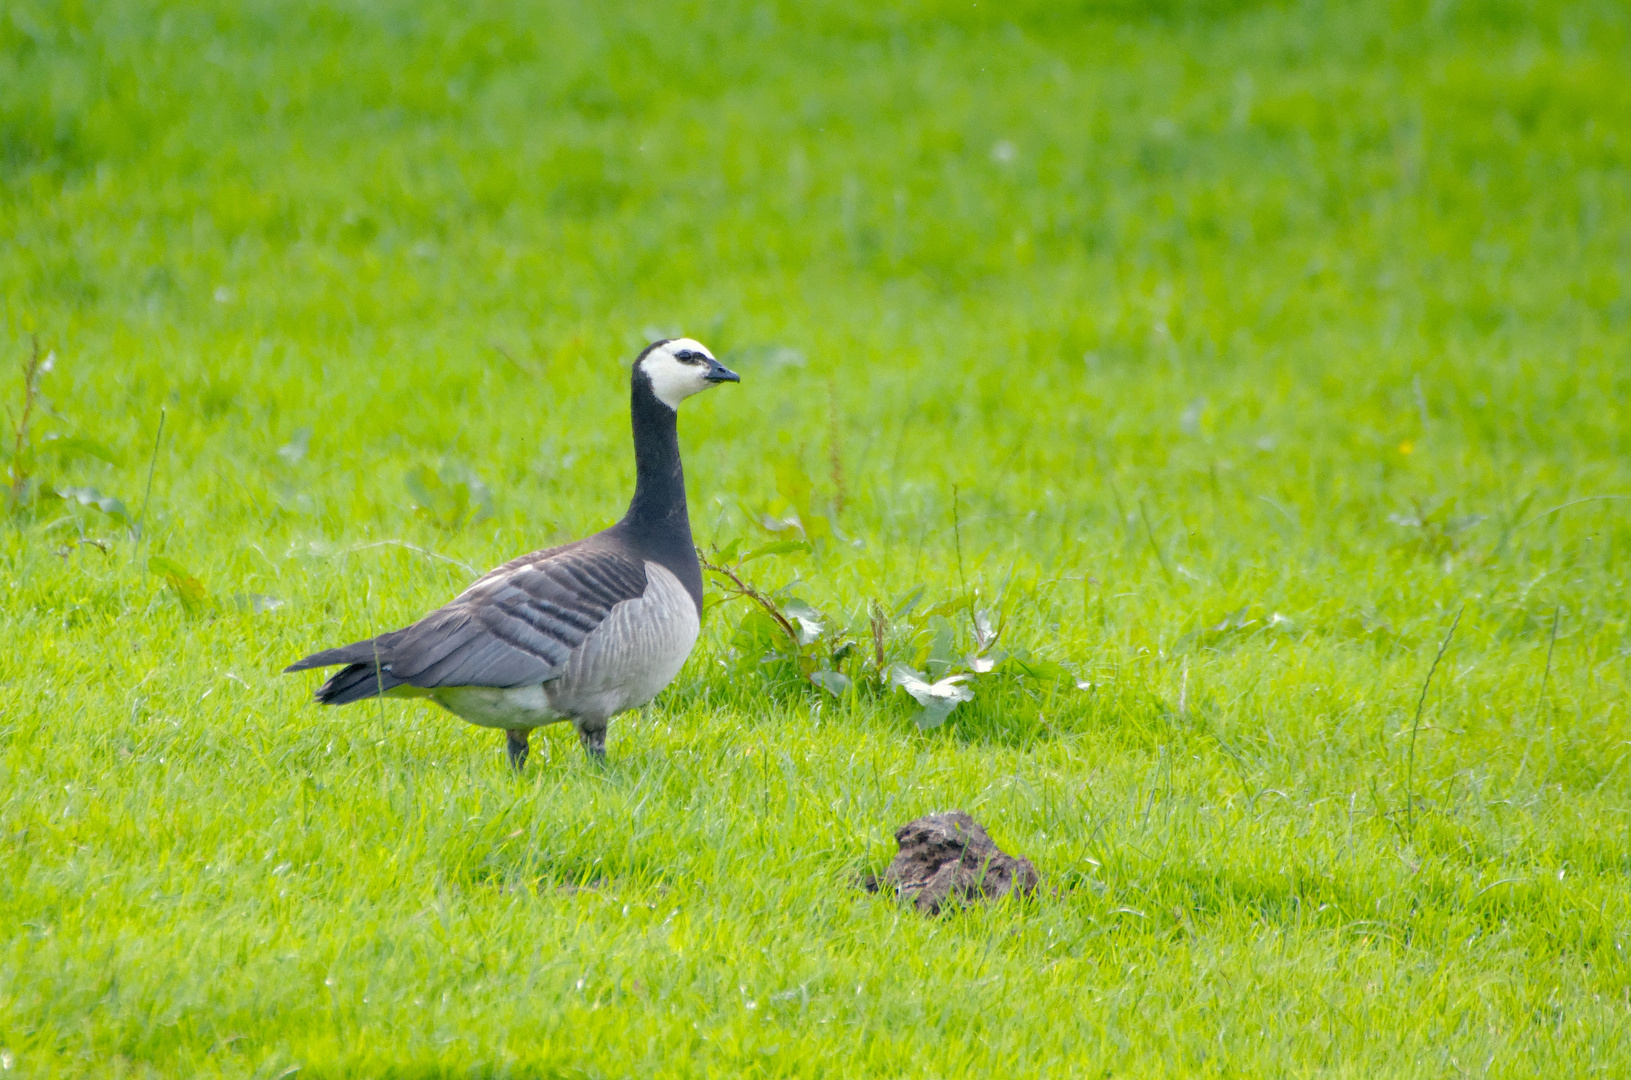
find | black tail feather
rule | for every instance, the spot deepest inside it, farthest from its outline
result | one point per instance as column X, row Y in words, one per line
column 358, row 652
column 354, row 682
column 366, row 674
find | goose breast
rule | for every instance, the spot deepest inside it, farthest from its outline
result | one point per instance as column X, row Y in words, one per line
column 633, row 654
column 622, row 664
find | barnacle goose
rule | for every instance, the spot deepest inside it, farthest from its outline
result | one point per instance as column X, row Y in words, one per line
column 579, row 632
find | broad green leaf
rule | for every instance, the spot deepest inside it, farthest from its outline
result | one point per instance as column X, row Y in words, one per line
column 934, row 714
column 758, row 633
column 777, row 547
column 711, row 598
column 817, row 527
column 950, row 607
column 902, row 675
column 980, row 663
column 984, row 623
column 938, row 699
column 71, row 446
column 835, row 683
column 903, row 606
column 188, row 587
column 1047, row 670
column 792, row 483
column 448, row 497
column 811, row 624
column 780, row 523
column 89, row 496
column 726, row 555
column 942, row 650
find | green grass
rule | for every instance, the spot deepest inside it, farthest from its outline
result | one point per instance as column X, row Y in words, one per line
column 1310, row 310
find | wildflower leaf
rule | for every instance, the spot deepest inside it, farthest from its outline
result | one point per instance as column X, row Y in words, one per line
column 984, row 635
column 835, row 683
column 903, row 606
column 448, row 497
column 89, row 496
column 1048, row 670
column 727, row 554
column 806, row 619
column 902, row 675
column 951, row 607
column 938, row 698
column 70, row 446
column 934, row 714
column 817, row 527
column 981, row 663
column 756, row 632
column 188, row 587
column 789, row 523
column 776, row 547
column 942, row 655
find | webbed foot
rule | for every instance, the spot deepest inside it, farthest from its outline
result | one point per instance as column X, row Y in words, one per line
column 515, row 741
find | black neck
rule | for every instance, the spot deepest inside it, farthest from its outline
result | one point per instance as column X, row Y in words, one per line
column 657, row 523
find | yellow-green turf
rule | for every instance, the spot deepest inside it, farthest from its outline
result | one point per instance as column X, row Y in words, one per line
column 1229, row 350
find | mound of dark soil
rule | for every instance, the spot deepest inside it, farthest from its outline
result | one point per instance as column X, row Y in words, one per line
column 949, row 858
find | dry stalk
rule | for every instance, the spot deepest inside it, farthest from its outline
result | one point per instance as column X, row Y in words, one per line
column 835, row 448
column 32, row 370
column 879, row 624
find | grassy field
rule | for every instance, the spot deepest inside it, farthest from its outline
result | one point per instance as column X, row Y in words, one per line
column 1226, row 352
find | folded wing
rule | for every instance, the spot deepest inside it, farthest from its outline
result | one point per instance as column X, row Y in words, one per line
column 516, row 626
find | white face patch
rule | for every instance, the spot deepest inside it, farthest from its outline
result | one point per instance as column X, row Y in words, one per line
column 673, row 379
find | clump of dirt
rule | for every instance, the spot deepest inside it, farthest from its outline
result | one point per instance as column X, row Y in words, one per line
column 948, row 858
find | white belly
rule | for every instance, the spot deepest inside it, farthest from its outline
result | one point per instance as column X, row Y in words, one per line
column 498, row 706
column 624, row 663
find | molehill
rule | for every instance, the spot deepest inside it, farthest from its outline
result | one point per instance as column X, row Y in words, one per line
column 949, row 857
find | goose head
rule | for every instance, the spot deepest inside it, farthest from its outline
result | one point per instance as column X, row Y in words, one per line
column 680, row 367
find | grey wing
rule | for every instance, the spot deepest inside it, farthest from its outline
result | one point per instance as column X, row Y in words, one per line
column 519, row 624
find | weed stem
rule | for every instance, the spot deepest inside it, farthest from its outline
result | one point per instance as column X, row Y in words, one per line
column 1160, row 556
column 152, row 463
column 1415, row 726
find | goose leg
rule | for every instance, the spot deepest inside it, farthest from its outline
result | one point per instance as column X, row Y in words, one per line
column 594, row 742
column 515, row 741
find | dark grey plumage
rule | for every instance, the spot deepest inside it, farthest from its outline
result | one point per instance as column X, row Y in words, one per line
column 516, row 625
column 536, row 640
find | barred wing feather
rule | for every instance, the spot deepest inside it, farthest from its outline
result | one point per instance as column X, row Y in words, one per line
column 516, row 626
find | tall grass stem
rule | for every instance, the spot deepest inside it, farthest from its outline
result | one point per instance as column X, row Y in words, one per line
column 1415, row 725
